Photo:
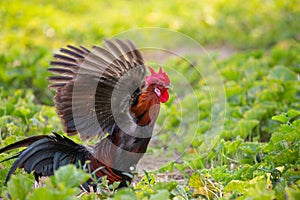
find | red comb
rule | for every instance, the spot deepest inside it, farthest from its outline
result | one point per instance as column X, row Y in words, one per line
column 159, row 77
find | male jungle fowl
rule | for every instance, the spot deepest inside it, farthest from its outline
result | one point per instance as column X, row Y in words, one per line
column 106, row 93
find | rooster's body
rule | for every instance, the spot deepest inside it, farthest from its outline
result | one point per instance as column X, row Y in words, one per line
column 102, row 92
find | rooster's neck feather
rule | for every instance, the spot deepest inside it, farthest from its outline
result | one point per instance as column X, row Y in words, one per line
column 147, row 107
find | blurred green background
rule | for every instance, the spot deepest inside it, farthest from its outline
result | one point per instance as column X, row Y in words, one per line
column 258, row 147
column 31, row 30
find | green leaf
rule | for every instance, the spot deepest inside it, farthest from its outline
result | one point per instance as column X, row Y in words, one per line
column 236, row 186
column 232, row 147
column 293, row 113
column 256, row 188
column 51, row 192
column 169, row 166
column 195, row 181
column 124, row 194
column 179, row 191
column 161, row 194
column 20, row 186
column 9, row 108
column 283, row 74
column 70, row 176
column 292, row 193
column 165, row 185
column 281, row 118
column 43, row 193
column 203, row 186
column 260, row 191
column 244, row 128
column 255, row 113
column 286, row 117
column 251, row 148
column 296, row 123
column 232, row 88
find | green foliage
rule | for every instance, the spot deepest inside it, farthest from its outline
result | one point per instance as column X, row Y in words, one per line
column 69, row 176
column 256, row 154
column 255, row 23
column 63, row 185
column 204, row 187
column 18, row 182
column 125, row 194
column 261, row 130
column 287, row 117
column 32, row 29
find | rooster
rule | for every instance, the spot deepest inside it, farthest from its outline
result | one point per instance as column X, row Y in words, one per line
column 106, row 93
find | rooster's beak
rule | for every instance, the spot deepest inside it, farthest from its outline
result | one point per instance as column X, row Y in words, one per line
column 169, row 87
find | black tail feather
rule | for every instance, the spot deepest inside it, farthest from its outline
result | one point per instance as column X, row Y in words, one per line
column 13, row 157
column 45, row 153
column 23, row 143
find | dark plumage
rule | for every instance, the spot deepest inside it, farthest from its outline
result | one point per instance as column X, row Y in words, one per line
column 98, row 92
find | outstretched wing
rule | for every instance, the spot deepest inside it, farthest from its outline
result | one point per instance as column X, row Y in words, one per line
column 88, row 82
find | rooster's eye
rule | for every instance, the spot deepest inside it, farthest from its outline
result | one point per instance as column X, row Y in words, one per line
column 157, row 92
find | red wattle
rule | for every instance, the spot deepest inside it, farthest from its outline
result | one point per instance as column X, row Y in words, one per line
column 164, row 96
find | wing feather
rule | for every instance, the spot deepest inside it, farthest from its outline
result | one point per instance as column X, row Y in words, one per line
column 85, row 82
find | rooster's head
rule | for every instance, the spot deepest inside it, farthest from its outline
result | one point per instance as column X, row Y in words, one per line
column 160, row 82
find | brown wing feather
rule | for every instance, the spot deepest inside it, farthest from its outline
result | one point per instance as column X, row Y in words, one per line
column 85, row 81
